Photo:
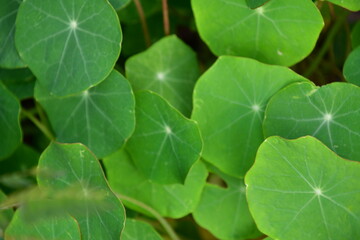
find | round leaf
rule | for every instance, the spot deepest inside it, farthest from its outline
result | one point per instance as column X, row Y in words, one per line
column 280, row 32
column 299, row 189
column 83, row 36
column 330, row 113
column 165, row 144
column 351, row 67
column 10, row 130
column 9, row 57
column 229, row 101
column 173, row 200
column 135, row 229
column 74, row 165
column 169, row 68
column 101, row 117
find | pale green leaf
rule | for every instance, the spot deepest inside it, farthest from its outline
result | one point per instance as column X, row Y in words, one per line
column 352, row 5
column 137, row 230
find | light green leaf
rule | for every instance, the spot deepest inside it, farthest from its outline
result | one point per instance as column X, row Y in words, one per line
column 83, row 36
column 352, row 67
column 255, row 3
column 102, row 117
column 136, row 230
column 9, row 57
column 281, row 32
column 74, row 165
column 224, row 211
column 5, row 216
column 174, row 200
column 19, row 81
column 330, row 113
column 165, row 144
column 355, row 35
column 55, row 228
column 299, row 189
column 10, row 130
column 352, row 5
column 169, row 68
column 230, row 112
column 118, row 4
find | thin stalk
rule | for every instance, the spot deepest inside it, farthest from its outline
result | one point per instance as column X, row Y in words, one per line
column 153, row 212
column 38, row 124
column 325, row 47
column 144, row 26
column 165, row 10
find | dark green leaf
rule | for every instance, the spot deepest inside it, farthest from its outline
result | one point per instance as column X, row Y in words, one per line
column 352, row 67
column 255, row 3
column 19, row 81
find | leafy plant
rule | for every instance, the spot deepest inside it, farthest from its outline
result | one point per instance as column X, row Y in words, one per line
column 144, row 119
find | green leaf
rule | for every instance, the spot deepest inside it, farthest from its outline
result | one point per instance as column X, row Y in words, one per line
column 102, row 117
column 83, row 36
column 135, row 229
column 165, row 144
column 54, row 228
column 130, row 14
column 5, row 215
column 299, row 189
column 255, row 3
column 329, row 113
column 280, row 32
column 9, row 57
column 224, row 211
column 10, row 130
column 118, row 4
column 351, row 67
column 230, row 112
column 74, row 165
column 19, row 81
column 169, row 68
column 352, row 5
column 173, row 200
column 355, row 35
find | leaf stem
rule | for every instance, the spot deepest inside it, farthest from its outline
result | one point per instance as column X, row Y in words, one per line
column 165, row 10
column 144, row 26
column 38, row 124
column 325, row 47
column 153, row 212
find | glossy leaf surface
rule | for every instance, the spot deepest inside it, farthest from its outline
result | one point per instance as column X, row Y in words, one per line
column 101, row 117
column 330, row 113
column 299, row 189
column 84, row 38
column 229, row 101
column 280, row 32
column 165, row 144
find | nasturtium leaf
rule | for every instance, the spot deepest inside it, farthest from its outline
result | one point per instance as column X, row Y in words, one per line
column 10, row 130
column 83, row 37
column 169, row 68
column 136, row 230
column 330, row 113
column 224, row 211
column 353, row 5
column 53, row 228
column 355, row 35
column 9, row 57
column 165, row 144
column 74, row 165
column 299, row 189
column 255, row 3
column 172, row 200
column 130, row 14
column 280, row 32
column 229, row 101
column 5, row 215
column 352, row 67
column 118, row 4
column 102, row 117
column 21, row 82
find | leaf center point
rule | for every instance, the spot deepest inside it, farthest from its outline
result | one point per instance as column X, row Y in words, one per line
column 73, row 24
column 328, row 117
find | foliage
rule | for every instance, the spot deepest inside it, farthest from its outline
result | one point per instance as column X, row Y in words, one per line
column 191, row 119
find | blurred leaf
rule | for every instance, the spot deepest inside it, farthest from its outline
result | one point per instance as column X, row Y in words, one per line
column 352, row 67
column 352, row 5
column 355, row 35
column 5, row 215
column 19, row 81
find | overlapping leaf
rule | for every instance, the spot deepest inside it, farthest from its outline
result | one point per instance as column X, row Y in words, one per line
column 165, row 144
column 225, row 212
column 229, row 101
column 353, row 5
column 21, row 82
column 83, row 37
column 101, row 117
column 352, row 67
column 135, row 229
column 10, row 131
column 174, row 200
column 330, row 113
column 299, row 189
column 255, row 3
column 280, row 32
column 74, row 165
column 118, row 4
column 169, row 68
